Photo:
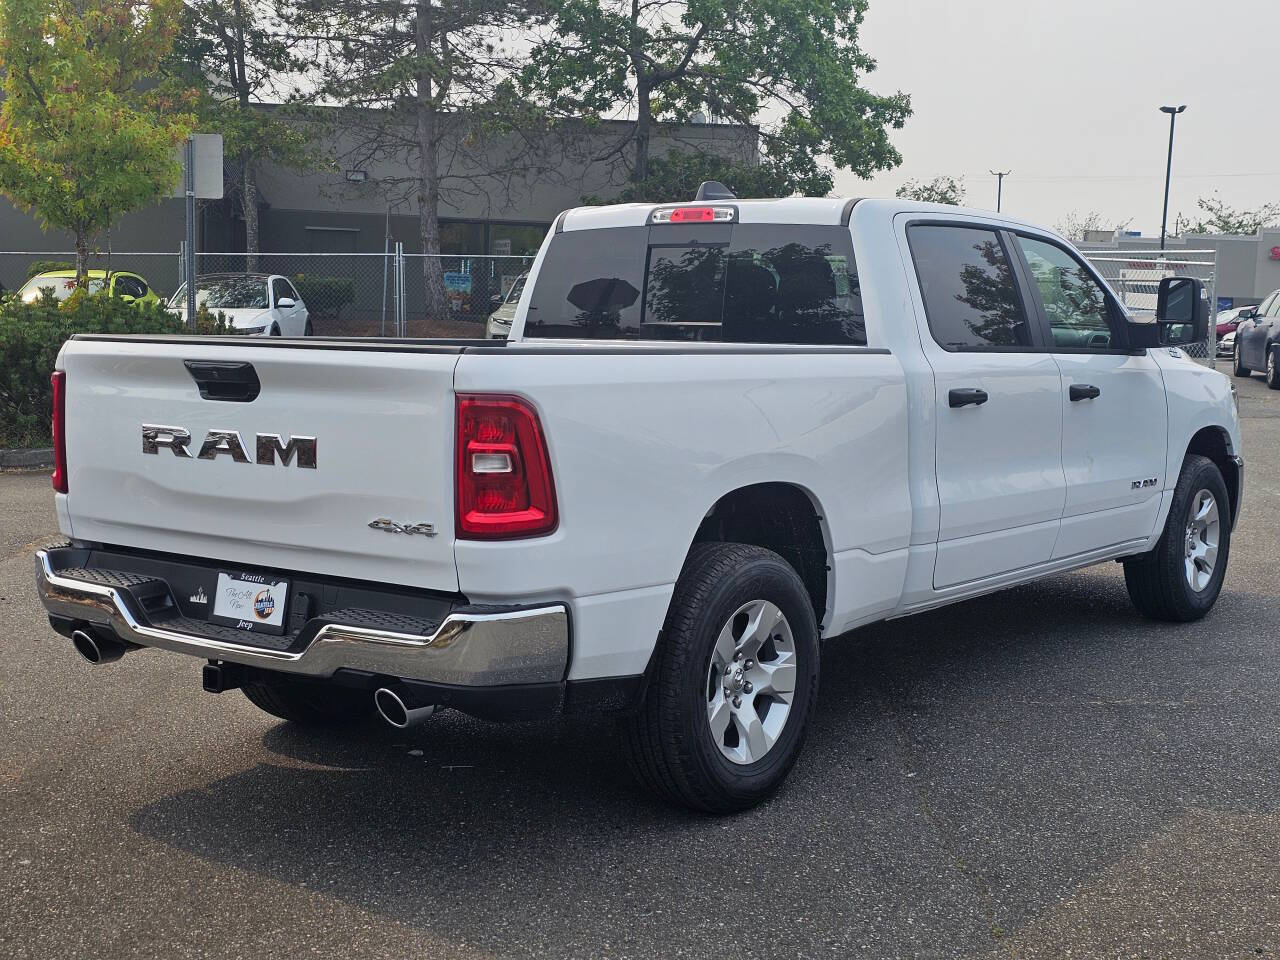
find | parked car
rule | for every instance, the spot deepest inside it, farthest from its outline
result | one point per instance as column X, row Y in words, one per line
column 499, row 324
column 1227, row 345
column 1227, row 320
column 883, row 407
column 129, row 287
column 256, row 304
column 1258, row 341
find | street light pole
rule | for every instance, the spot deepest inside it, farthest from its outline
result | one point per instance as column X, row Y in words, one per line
column 999, row 175
column 1168, row 169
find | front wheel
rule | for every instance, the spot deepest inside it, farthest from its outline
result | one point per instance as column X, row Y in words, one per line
column 735, row 682
column 1180, row 579
column 1273, row 374
column 1238, row 368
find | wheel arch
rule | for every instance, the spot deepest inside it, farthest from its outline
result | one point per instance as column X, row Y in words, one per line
column 785, row 518
column 1215, row 443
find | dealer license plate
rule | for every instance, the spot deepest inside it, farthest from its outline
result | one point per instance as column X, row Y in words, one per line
column 250, row 602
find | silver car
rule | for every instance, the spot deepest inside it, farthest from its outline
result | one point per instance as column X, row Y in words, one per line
column 498, row 327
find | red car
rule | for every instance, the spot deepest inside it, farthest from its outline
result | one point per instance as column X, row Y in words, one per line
column 1228, row 320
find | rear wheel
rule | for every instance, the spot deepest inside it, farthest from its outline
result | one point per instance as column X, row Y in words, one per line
column 1238, row 368
column 310, row 704
column 1273, row 374
column 735, row 682
column 1180, row 579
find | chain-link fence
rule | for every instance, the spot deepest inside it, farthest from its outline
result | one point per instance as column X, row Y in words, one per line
column 1135, row 275
column 346, row 294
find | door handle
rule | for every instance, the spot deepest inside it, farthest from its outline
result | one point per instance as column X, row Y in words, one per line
column 966, row 396
column 1083, row 391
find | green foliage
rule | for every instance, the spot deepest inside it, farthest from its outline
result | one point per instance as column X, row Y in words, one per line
column 790, row 70
column 80, row 142
column 37, row 267
column 676, row 176
column 942, row 189
column 1219, row 217
column 31, row 334
column 325, row 296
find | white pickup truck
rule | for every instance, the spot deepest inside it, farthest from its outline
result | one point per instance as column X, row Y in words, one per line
column 720, row 432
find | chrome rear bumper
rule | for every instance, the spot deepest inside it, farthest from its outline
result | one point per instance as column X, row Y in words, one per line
column 517, row 646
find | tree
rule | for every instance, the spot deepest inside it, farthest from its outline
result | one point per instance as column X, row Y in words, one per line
column 421, row 85
column 1218, row 217
column 787, row 70
column 79, row 141
column 677, row 175
column 942, row 189
column 240, row 56
column 1074, row 226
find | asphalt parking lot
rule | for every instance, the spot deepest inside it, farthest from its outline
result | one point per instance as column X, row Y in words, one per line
column 1040, row 773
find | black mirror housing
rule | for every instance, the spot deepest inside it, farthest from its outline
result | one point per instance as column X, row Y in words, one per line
column 1182, row 311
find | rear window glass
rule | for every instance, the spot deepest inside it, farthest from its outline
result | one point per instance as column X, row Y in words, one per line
column 749, row 283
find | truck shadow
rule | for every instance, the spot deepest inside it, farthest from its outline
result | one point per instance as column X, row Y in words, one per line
column 940, row 745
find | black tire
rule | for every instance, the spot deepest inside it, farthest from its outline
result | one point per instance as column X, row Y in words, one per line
column 1273, row 366
column 274, row 331
column 310, row 704
column 668, row 742
column 1238, row 368
column 308, row 331
column 1157, row 580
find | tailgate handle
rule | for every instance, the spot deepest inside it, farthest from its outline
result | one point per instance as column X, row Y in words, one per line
column 234, row 381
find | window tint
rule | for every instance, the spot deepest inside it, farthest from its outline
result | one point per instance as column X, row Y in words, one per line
column 752, row 283
column 970, row 298
column 280, row 289
column 127, row 286
column 792, row 285
column 1074, row 303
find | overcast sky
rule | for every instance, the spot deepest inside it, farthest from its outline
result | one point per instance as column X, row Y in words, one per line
column 1066, row 94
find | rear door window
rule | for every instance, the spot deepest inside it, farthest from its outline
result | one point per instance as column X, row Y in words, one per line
column 749, row 283
column 970, row 296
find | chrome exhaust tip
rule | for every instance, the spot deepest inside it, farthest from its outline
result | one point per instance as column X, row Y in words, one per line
column 97, row 648
column 397, row 708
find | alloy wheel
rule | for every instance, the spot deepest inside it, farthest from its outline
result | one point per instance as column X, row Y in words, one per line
column 1201, row 543
column 751, row 682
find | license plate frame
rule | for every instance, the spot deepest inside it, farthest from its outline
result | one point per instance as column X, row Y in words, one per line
column 250, row 601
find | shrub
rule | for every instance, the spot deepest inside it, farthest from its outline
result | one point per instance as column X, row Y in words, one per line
column 325, row 296
column 31, row 334
column 48, row 266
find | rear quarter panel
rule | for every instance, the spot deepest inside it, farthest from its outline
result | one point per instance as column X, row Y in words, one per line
column 643, row 442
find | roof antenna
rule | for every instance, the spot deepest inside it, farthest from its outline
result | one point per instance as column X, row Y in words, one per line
column 714, row 190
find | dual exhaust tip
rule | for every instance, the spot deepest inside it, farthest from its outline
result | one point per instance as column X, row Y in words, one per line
column 397, row 705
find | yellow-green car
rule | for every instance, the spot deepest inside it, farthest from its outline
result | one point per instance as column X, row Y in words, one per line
column 129, row 287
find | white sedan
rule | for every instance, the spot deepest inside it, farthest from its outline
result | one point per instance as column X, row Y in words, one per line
column 255, row 304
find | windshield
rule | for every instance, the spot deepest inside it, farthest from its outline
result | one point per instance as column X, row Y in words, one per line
column 60, row 287
column 226, row 293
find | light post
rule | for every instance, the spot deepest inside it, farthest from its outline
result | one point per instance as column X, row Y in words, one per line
column 999, row 175
column 1168, row 169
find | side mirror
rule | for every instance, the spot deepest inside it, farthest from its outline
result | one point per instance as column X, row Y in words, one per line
column 125, row 298
column 1182, row 311
column 284, row 303
column 1246, row 314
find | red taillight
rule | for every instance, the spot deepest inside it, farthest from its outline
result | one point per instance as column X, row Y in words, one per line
column 504, row 488
column 59, row 381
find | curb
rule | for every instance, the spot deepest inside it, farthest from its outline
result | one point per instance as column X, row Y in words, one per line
column 32, row 459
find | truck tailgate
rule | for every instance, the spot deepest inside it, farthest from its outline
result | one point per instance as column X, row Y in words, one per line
column 382, row 420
